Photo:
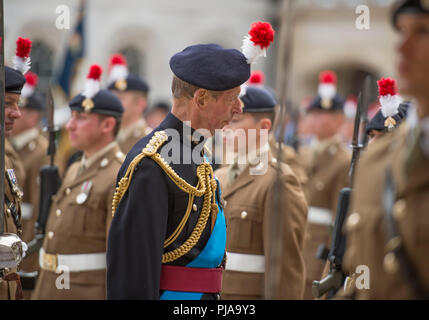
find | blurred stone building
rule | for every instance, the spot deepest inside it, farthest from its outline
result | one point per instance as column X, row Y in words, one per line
column 149, row 32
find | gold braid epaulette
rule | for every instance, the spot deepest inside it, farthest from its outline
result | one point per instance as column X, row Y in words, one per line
column 206, row 186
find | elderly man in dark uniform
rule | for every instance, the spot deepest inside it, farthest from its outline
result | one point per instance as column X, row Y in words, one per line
column 167, row 238
column 10, row 286
column 30, row 145
column 388, row 221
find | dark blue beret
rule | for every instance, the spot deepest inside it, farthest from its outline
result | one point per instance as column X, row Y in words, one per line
column 104, row 102
column 211, row 67
column 131, row 83
column 377, row 122
column 36, row 101
column 258, row 99
column 14, row 80
column 333, row 105
column 411, row 7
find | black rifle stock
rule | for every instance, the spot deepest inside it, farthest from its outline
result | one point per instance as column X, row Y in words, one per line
column 335, row 278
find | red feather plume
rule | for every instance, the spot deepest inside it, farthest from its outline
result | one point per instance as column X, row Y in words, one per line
column 31, row 79
column 328, row 76
column 262, row 34
column 23, row 47
column 386, row 86
column 257, row 77
column 95, row 72
column 118, row 59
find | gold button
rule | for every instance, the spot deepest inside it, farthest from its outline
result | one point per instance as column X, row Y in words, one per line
column 243, row 215
column 68, row 191
column 274, row 160
column 8, row 211
column 50, row 234
column 390, row 263
column 58, row 212
column 320, row 185
column 353, row 221
column 400, row 209
column 194, row 207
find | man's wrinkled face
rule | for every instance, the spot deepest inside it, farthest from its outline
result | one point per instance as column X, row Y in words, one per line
column 12, row 112
column 222, row 108
column 413, row 50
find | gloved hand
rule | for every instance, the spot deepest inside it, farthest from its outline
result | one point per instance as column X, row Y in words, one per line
column 12, row 251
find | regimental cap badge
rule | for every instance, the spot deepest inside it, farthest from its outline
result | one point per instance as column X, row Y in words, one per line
column 92, row 86
column 118, row 71
column 327, row 88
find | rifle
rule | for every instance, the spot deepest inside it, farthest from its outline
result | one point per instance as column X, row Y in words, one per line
column 49, row 183
column 335, row 278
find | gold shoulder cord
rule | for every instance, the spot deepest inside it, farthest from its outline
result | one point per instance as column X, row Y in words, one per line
column 206, row 186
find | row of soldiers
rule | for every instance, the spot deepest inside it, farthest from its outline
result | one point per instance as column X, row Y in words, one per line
column 173, row 221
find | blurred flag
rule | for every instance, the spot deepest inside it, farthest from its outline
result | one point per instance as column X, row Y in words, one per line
column 73, row 55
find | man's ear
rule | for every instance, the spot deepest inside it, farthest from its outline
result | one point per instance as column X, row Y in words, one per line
column 201, row 98
column 108, row 124
column 265, row 123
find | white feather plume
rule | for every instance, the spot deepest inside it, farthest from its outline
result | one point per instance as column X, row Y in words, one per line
column 390, row 104
column 252, row 51
column 27, row 91
column 91, row 88
column 20, row 64
column 327, row 90
column 118, row 72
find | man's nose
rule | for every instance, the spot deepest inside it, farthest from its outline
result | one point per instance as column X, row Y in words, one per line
column 15, row 112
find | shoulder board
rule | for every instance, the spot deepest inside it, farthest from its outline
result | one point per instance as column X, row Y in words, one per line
column 157, row 140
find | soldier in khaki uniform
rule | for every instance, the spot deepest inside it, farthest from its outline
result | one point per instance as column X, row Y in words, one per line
column 248, row 188
column 397, row 260
column 328, row 174
column 10, row 286
column 80, row 216
column 132, row 90
column 30, row 145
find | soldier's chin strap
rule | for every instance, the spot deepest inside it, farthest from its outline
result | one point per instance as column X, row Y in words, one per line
column 397, row 254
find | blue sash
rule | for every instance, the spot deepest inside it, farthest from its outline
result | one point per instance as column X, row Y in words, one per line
column 210, row 257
